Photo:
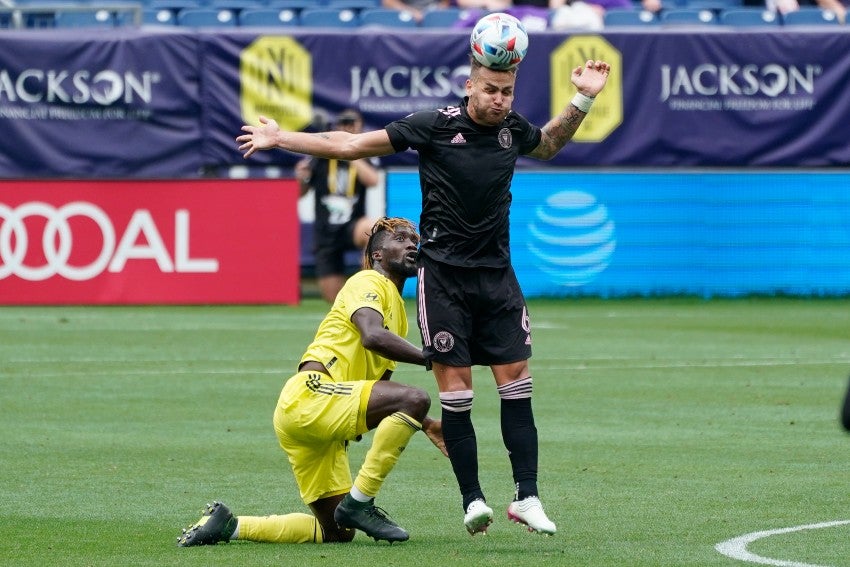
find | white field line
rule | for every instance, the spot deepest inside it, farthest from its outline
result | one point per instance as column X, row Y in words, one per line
column 288, row 371
column 574, row 362
column 736, row 548
column 700, row 364
column 594, row 364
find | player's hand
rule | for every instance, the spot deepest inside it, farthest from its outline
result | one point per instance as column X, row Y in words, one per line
column 590, row 78
column 262, row 137
column 433, row 428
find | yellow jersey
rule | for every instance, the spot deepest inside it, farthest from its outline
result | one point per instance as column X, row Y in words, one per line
column 337, row 342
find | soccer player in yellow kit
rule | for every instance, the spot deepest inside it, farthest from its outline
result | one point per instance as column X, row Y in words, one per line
column 341, row 391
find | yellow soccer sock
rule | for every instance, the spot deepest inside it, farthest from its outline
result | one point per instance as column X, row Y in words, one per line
column 391, row 437
column 289, row 528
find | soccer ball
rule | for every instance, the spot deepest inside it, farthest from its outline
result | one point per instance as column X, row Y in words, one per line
column 499, row 41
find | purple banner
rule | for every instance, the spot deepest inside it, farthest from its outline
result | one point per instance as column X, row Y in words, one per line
column 729, row 99
column 117, row 103
column 715, row 98
column 131, row 103
column 288, row 78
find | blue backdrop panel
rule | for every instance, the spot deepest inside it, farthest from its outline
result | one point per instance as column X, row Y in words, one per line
column 631, row 233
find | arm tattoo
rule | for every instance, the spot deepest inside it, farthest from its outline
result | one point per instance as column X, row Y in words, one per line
column 558, row 131
column 302, row 149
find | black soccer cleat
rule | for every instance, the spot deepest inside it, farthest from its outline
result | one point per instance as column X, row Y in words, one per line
column 368, row 518
column 217, row 524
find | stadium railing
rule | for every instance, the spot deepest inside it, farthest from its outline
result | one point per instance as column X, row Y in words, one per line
column 72, row 14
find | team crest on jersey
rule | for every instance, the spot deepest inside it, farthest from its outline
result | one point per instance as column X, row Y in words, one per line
column 444, row 341
column 505, row 138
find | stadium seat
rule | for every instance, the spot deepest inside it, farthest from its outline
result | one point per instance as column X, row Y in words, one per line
column 173, row 5
column 748, row 17
column 161, row 17
column 39, row 20
column 810, row 17
column 89, row 18
column 353, row 4
column 296, row 5
column 47, row 4
column 716, row 5
column 206, row 18
column 268, row 17
column 388, row 18
column 441, row 18
column 624, row 17
column 329, row 18
column 688, row 17
column 129, row 17
column 236, row 5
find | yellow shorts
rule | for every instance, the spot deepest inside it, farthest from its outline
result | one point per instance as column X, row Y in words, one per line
column 315, row 418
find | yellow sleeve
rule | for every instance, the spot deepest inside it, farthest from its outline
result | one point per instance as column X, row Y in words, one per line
column 366, row 288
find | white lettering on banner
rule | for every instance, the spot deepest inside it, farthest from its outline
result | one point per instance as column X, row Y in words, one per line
column 770, row 80
column 103, row 87
column 182, row 262
column 401, row 82
column 57, row 243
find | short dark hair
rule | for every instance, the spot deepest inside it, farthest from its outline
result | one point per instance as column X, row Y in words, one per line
column 475, row 66
column 381, row 230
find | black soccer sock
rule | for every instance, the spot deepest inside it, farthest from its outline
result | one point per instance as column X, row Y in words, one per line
column 520, row 435
column 462, row 446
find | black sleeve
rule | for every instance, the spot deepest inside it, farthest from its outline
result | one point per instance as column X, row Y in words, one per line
column 530, row 136
column 412, row 131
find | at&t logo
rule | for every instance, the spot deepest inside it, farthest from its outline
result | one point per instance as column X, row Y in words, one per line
column 572, row 238
column 37, row 241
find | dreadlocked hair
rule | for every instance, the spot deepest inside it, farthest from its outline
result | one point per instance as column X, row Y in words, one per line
column 385, row 225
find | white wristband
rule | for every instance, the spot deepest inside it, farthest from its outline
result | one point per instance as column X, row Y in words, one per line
column 582, row 102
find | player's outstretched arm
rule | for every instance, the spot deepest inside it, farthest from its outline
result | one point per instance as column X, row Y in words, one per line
column 589, row 79
column 331, row 145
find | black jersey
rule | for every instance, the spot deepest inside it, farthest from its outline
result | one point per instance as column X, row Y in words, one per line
column 465, row 172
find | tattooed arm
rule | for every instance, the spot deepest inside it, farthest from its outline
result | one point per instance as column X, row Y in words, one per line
column 589, row 80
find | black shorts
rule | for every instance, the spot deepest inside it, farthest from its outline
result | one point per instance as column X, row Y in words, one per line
column 331, row 246
column 471, row 316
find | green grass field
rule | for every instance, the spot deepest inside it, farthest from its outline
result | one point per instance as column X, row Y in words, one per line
column 666, row 427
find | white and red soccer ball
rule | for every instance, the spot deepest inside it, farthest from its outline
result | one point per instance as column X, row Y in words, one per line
column 499, row 41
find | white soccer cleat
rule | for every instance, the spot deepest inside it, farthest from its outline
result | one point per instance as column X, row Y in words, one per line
column 529, row 511
column 478, row 517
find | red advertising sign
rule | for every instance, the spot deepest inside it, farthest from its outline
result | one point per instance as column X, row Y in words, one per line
column 149, row 242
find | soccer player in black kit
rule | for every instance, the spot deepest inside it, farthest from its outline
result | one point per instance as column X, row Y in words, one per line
column 471, row 310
